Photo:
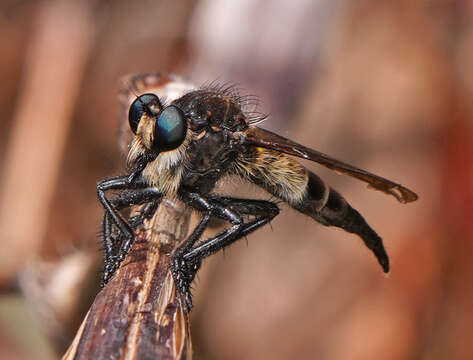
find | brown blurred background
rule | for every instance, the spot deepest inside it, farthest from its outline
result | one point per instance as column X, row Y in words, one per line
column 385, row 85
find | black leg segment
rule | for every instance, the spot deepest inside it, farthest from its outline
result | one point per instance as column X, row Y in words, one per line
column 187, row 258
column 117, row 247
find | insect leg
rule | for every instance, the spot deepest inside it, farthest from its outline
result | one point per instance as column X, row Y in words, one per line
column 149, row 196
column 227, row 237
column 196, row 234
column 184, row 271
column 111, row 214
column 112, row 242
column 186, row 264
column 145, row 213
column 232, row 209
column 114, row 251
column 117, row 183
column 113, row 217
column 114, row 248
column 249, row 206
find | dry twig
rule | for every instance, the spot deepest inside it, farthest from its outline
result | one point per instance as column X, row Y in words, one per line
column 139, row 314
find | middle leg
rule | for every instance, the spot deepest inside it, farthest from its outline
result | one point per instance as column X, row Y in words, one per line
column 187, row 258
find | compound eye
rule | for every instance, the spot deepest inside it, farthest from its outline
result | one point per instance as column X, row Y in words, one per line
column 170, row 129
column 145, row 104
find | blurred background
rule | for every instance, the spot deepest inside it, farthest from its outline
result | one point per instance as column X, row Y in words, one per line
column 384, row 85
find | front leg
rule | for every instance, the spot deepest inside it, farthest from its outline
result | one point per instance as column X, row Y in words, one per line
column 187, row 258
column 137, row 193
column 117, row 183
column 116, row 249
column 130, row 181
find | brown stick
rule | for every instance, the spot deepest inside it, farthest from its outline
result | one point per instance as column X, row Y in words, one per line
column 139, row 314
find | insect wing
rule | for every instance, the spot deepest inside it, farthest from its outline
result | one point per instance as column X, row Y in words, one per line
column 259, row 137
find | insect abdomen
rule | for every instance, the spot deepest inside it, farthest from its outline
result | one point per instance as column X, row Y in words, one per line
column 288, row 180
column 328, row 207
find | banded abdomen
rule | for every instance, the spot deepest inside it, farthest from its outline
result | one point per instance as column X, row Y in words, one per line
column 287, row 179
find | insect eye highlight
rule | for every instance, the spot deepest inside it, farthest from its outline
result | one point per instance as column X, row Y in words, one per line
column 170, row 129
column 144, row 104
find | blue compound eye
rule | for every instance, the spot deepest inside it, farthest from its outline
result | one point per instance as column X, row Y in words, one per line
column 170, row 129
column 144, row 104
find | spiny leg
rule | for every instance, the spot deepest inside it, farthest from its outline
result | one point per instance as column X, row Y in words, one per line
column 264, row 211
column 117, row 183
column 149, row 196
column 225, row 238
column 123, row 182
column 136, row 195
column 117, row 248
column 184, row 271
column 186, row 263
column 111, row 217
column 192, row 238
column 112, row 242
column 123, row 201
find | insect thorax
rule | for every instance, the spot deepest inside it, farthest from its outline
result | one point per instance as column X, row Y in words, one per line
column 209, row 109
column 208, row 150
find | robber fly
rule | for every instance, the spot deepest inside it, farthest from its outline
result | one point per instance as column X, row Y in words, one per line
column 182, row 149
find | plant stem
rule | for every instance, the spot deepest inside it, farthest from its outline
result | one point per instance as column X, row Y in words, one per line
column 139, row 314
